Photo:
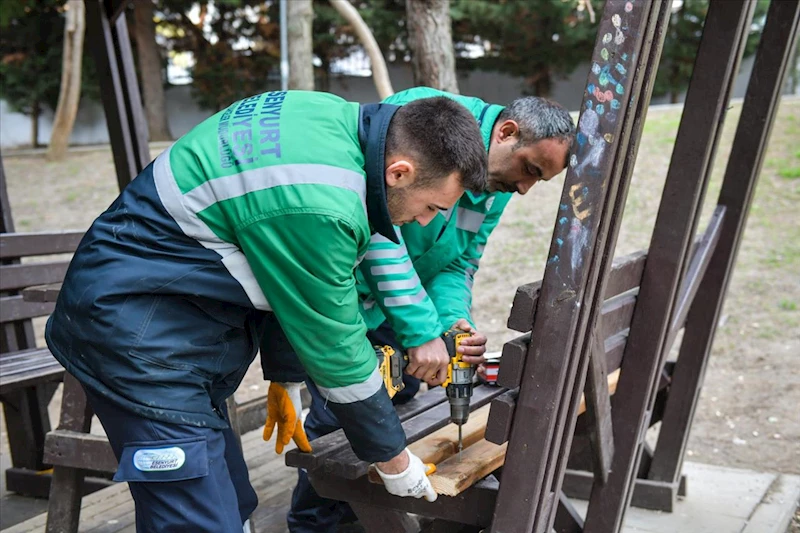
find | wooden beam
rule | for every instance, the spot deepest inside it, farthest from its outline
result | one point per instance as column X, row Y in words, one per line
column 473, row 506
column 706, row 101
column 615, row 320
column 701, row 257
column 14, row 308
column 760, row 106
column 443, row 443
column 458, row 473
column 39, row 243
column 596, row 403
column 344, row 463
column 626, row 272
column 28, row 275
column 498, row 429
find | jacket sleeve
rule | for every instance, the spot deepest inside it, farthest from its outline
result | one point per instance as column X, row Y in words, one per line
column 451, row 289
column 396, row 287
column 311, row 289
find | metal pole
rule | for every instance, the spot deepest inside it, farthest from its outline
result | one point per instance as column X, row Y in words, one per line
column 284, row 47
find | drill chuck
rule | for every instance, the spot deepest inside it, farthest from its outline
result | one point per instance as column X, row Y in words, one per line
column 459, row 410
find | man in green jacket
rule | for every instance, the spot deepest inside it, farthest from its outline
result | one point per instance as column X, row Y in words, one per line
column 262, row 211
column 413, row 290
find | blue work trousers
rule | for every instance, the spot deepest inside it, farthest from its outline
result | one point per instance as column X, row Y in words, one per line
column 309, row 511
column 182, row 478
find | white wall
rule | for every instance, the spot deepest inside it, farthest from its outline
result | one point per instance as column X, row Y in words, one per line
column 184, row 113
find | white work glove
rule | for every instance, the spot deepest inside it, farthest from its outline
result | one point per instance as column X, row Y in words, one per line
column 413, row 481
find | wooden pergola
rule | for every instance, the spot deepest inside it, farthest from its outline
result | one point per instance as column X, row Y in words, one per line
column 680, row 285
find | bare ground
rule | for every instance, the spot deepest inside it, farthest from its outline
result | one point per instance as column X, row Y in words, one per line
column 747, row 415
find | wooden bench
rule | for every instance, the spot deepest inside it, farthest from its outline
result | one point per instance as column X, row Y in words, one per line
column 29, row 375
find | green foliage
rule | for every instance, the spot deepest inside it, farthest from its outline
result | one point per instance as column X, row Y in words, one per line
column 683, row 40
column 31, row 41
column 31, row 48
column 535, row 39
column 235, row 46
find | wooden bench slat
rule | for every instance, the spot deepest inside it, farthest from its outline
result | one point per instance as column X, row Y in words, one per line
column 625, row 274
column 14, row 245
column 76, row 450
column 21, row 354
column 20, row 367
column 28, row 274
column 615, row 319
column 345, row 464
column 329, row 444
column 14, row 308
column 35, row 378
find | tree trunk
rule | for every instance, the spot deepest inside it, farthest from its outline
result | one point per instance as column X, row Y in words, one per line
column 150, row 67
column 431, row 42
column 36, row 111
column 301, row 69
column 380, row 74
column 70, row 93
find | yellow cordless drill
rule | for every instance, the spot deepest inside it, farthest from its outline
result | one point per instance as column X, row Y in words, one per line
column 459, row 381
column 458, row 385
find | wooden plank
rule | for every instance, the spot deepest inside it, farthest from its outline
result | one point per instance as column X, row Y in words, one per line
column 714, row 73
column 345, row 464
column 443, row 443
column 45, row 374
column 25, row 275
column 498, row 428
column 79, row 450
column 596, row 403
column 27, row 423
column 760, row 106
column 512, row 361
column 103, row 37
column 474, row 506
column 13, row 308
column 615, row 319
column 14, row 245
column 456, row 474
column 501, row 417
column 694, row 275
column 626, row 272
column 42, row 293
column 64, row 506
column 647, row 494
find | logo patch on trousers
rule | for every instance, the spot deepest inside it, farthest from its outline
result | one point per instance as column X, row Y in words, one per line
column 159, row 459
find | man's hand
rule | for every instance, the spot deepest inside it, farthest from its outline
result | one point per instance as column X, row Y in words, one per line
column 472, row 347
column 429, row 362
column 284, row 410
column 404, row 475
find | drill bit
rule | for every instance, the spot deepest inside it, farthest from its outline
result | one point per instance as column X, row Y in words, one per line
column 460, row 443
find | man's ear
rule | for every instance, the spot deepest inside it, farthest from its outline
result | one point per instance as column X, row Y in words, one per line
column 509, row 129
column 400, row 173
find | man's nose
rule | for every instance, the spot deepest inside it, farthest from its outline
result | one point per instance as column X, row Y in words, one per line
column 425, row 218
column 524, row 186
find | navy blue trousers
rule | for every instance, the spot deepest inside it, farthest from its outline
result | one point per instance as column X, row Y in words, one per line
column 309, row 511
column 182, row 478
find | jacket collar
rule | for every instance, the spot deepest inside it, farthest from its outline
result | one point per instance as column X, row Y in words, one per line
column 373, row 124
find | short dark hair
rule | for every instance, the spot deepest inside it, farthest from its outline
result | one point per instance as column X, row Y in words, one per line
column 442, row 137
column 539, row 118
